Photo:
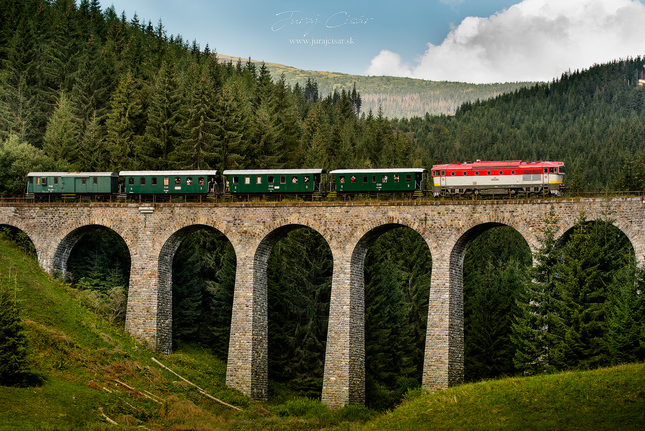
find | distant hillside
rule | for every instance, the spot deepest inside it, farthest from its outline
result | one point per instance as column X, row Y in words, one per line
column 399, row 97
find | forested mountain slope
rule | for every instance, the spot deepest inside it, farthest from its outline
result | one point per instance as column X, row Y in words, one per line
column 397, row 97
column 593, row 120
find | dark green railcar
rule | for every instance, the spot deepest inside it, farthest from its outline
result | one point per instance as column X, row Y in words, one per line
column 391, row 180
column 274, row 181
column 63, row 183
column 170, row 182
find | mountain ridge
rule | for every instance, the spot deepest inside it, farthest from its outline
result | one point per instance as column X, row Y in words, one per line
column 398, row 97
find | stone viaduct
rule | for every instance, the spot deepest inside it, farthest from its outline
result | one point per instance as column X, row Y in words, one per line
column 154, row 232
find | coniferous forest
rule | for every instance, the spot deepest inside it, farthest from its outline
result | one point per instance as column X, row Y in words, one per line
column 84, row 88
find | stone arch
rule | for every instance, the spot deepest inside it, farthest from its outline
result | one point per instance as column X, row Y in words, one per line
column 249, row 324
column 622, row 225
column 344, row 380
column 444, row 364
column 66, row 245
column 164, row 283
column 13, row 230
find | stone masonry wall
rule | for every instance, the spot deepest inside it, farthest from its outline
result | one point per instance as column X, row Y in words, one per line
column 154, row 232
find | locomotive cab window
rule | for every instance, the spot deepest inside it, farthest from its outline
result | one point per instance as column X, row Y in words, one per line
column 142, row 181
column 546, row 170
column 561, row 170
column 552, row 170
column 131, row 181
column 270, row 179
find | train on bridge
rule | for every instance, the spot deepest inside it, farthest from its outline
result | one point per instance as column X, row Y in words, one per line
column 507, row 177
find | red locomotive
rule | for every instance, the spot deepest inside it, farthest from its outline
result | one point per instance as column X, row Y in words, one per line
column 498, row 177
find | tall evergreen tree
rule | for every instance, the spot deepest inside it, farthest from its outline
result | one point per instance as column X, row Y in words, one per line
column 299, row 283
column 162, row 130
column 61, row 137
column 626, row 317
column 232, row 129
column 494, row 274
column 13, row 338
column 534, row 329
column 121, row 125
column 581, row 327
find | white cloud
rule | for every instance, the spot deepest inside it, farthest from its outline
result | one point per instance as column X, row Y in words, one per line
column 535, row 40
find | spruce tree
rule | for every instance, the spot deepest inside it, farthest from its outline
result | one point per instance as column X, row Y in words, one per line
column 581, row 310
column 626, row 317
column 61, row 137
column 13, row 338
column 533, row 332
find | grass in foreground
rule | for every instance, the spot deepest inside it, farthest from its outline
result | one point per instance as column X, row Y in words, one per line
column 603, row 399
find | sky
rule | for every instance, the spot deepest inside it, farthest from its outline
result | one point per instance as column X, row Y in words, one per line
column 476, row 41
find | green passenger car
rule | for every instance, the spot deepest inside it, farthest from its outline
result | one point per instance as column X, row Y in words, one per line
column 169, row 182
column 58, row 183
column 378, row 180
column 274, row 181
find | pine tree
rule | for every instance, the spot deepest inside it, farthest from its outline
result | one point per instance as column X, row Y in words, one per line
column 534, row 328
column 121, row 125
column 581, row 311
column 494, row 274
column 626, row 317
column 61, row 137
column 198, row 149
column 162, row 130
column 13, row 338
column 299, row 284
column 232, row 129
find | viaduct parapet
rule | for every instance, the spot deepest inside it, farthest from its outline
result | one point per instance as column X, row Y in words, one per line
column 154, row 232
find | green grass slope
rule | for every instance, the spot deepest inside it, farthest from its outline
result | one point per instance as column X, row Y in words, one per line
column 603, row 399
column 85, row 371
column 398, row 97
